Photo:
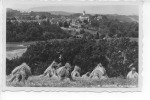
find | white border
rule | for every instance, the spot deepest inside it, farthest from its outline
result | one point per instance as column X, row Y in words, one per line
column 70, row 89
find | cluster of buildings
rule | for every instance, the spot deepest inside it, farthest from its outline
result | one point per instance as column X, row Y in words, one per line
column 82, row 21
column 75, row 24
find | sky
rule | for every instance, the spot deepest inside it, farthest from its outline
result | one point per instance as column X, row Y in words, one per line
column 75, row 7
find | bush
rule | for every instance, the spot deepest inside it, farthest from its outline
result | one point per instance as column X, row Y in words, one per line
column 84, row 53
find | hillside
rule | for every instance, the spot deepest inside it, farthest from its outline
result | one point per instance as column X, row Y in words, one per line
column 11, row 13
column 124, row 18
column 50, row 9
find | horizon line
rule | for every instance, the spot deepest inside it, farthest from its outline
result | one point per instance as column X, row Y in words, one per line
column 26, row 10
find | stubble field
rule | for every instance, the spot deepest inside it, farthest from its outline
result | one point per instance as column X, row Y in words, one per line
column 39, row 81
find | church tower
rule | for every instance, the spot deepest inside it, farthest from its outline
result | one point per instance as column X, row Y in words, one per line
column 83, row 13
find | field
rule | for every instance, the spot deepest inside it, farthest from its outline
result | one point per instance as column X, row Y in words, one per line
column 17, row 45
column 16, row 49
column 39, row 81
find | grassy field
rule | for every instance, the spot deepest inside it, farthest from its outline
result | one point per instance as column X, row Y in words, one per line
column 16, row 49
column 17, row 45
column 15, row 53
column 38, row 81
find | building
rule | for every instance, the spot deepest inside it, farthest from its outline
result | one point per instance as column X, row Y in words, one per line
column 37, row 17
column 84, row 17
column 99, row 17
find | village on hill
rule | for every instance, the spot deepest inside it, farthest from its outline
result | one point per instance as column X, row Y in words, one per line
column 74, row 24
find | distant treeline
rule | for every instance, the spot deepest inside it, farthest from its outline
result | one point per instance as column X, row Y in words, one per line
column 13, row 14
column 115, row 55
column 33, row 31
column 115, row 28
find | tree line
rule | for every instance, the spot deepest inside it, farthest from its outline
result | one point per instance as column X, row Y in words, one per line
column 33, row 31
column 115, row 28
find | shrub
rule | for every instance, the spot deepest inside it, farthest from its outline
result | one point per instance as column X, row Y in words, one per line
column 114, row 54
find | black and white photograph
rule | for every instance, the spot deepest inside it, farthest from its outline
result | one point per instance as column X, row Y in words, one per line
column 74, row 45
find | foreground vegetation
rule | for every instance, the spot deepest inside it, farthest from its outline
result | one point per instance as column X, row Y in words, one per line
column 37, row 81
column 115, row 55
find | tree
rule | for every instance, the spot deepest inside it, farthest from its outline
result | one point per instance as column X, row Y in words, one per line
column 60, row 24
column 97, row 36
column 32, row 31
column 82, row 31
column 43, row 17
column 95, row 23
column 66, row 24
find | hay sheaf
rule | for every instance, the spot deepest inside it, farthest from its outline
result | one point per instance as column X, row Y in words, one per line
column 50, row 71
column 20, row 73
column 76, row 72
column 98, row 72
column 64, row 71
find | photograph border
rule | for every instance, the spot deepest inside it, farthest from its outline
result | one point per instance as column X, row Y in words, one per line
column 76, row 89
